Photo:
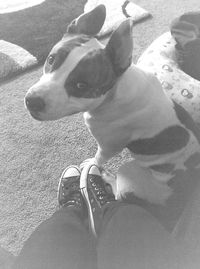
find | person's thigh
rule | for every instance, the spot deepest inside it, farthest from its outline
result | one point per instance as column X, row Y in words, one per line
column 132, row 238
column 60, row 242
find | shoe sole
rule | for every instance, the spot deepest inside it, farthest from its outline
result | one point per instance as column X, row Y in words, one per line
column 84, row 192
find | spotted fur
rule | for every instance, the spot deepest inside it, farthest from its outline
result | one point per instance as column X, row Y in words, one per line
column 60, row 52
column 123, row 104
column 161, row 143
column 95, row 85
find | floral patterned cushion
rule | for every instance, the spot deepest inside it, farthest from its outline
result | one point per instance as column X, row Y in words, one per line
column 160, row 58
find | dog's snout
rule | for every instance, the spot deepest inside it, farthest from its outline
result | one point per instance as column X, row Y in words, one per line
column 35, row 103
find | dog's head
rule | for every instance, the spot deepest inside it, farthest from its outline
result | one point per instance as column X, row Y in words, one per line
column 79, row 70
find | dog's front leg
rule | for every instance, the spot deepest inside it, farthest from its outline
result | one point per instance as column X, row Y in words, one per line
column 99, row 159
column 103, row 155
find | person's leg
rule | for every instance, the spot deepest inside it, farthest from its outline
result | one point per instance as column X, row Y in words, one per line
column 62, row 241
column 132, row 238
column 128, row 235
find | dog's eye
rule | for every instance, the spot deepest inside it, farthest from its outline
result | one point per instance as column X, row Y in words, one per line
column 51, row 59
column 82, row 85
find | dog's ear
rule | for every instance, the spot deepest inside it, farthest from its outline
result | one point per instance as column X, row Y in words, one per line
column 89, row 23
column 120, row 47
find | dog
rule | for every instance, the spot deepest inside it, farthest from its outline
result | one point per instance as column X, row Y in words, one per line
column 124, row 107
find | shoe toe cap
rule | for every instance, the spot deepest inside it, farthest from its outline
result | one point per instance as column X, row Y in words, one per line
column 94, row 170
column 72, row 171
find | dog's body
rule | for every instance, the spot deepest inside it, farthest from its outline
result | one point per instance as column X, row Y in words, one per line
column 123, row 106
column 144, row 120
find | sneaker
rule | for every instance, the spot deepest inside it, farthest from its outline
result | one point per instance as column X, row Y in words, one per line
column 69, row 193
column 96, row 196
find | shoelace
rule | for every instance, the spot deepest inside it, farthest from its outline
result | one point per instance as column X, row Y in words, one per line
column 74, row 200
column 75, row 196
column 100, row 191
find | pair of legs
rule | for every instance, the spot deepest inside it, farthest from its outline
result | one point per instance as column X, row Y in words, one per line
column 91, row 230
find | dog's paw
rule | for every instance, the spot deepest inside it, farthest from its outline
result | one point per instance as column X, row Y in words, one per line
column 109, row 179
column 87, row 162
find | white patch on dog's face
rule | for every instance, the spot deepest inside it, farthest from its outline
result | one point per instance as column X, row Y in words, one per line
column 52, row 88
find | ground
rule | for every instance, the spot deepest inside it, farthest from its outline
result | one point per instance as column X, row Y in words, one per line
column 33, row 154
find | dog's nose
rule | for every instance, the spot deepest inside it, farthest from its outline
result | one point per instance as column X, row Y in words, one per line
column 34, row 103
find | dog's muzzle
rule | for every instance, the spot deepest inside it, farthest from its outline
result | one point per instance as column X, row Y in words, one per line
column 35, row 105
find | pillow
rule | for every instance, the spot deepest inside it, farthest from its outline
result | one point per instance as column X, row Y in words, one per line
column 186, row 32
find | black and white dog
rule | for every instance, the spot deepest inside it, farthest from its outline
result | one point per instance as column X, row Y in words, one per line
column 123, row 105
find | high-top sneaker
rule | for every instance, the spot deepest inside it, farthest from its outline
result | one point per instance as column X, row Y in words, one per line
column 69, row 193
column 95, row 194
